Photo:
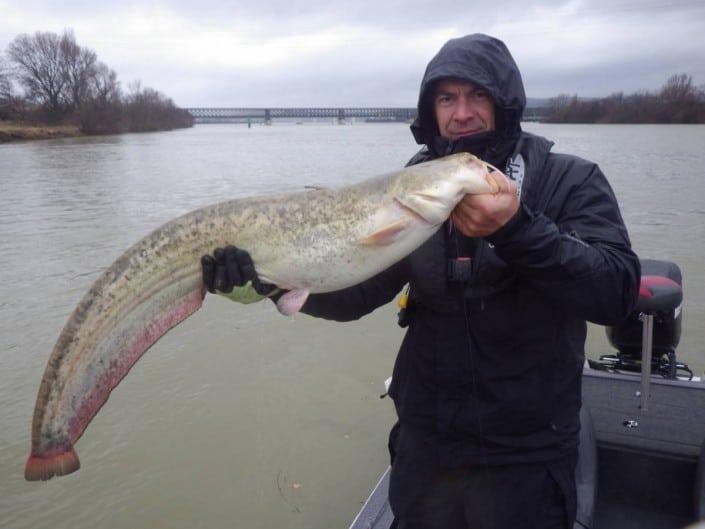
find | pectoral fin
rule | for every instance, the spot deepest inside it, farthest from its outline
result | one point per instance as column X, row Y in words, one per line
column 426, row 206
column 386, row 235
column 291, row 302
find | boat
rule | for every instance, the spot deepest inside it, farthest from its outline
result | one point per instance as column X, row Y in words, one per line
column 641, row 458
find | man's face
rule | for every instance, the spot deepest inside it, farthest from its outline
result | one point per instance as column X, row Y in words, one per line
column 462, row 109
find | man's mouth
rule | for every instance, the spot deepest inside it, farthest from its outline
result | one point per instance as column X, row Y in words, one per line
column 466, row 132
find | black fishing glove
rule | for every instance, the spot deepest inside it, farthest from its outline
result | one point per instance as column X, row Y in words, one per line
column 232, row 268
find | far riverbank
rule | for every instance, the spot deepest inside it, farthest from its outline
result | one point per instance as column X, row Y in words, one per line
column 11, row 131
column 15, row 131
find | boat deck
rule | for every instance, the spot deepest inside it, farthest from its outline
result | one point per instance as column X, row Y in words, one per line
column 648, row 474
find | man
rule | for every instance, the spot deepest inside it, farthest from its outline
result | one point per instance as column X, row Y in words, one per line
column 487, row 381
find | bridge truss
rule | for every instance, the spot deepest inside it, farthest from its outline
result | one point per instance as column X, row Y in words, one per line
column 205, row 115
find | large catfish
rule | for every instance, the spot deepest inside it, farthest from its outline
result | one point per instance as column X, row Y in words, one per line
column 315, row 241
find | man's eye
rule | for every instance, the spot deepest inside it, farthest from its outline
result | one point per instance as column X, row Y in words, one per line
column 443, row 100
column 481, row 94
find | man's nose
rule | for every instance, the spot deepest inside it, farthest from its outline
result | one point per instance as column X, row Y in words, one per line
column 465, row 110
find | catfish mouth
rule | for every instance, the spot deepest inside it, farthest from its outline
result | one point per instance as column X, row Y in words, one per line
column 488, row 168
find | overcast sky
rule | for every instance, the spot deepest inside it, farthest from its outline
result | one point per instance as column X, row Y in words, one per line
column 369, row 52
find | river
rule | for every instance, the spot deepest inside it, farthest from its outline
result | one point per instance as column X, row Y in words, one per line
column 241, row 417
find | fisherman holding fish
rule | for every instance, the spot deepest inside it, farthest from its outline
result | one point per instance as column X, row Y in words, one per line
column 487, row 383
column 505, row 264
column 506, row 260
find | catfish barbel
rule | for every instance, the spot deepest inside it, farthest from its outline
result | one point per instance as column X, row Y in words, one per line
column 309, row 242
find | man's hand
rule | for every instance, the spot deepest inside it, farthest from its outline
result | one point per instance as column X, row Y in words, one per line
column 482, row 215
column 230, row 271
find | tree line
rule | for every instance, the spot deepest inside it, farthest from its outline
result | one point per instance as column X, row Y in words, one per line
column 50, row 78
column 678, row 101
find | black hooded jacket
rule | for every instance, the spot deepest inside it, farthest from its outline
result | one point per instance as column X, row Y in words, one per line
column 490, row 367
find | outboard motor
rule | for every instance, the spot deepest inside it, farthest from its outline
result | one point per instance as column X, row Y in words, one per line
column 661, row 296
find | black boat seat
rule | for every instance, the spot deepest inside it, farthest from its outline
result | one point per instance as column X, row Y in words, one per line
column 660, row 294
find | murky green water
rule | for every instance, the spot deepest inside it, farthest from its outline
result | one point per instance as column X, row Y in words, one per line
column 240, row 417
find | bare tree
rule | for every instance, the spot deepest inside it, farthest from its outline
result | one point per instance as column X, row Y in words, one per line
column 680, row 100
column 12, row 105
column 148, row 109
column 104, row 86
column 38, row 61
column 5, row 83
column 79, row 68
column 679, row 89
column 67, row 80
column 560, row 106
column 103, row 112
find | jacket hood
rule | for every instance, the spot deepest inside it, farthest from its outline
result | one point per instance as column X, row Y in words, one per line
column 486, row 62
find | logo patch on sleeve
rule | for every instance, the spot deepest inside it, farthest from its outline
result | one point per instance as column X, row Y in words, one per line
column 515, row 171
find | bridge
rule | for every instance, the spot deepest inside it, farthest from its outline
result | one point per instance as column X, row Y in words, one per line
column 341, row 114
column 266, row 115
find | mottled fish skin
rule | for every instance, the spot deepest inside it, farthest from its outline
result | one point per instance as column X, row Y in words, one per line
column 316, row 241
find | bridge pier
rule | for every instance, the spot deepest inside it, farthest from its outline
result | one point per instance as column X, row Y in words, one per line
column 267, row 116
column 341, row 116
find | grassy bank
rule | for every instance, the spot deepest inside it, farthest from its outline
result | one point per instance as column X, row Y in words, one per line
column 14, row 131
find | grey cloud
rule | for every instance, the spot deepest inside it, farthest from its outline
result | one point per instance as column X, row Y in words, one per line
column 657, row 38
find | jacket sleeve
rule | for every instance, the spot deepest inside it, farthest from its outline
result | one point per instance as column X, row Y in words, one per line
column 583, row 259
column 354, row 302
